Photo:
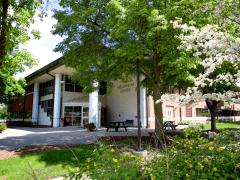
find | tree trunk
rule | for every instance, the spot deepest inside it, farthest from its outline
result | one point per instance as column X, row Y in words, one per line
column 4, row 28
column 213, row 110
column 158, row 112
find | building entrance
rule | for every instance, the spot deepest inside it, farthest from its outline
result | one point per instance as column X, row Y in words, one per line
column 76, row 115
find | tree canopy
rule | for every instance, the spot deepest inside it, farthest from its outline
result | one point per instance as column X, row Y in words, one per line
column 217, row 46
column 105, row 38
column 15, row 19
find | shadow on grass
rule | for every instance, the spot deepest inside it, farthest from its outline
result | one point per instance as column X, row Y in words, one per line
column 65, row 157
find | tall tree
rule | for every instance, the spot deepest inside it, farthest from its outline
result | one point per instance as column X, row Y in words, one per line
column 15, row 19
column 105, row 38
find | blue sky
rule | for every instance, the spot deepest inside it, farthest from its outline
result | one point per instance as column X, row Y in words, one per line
column 43, row 49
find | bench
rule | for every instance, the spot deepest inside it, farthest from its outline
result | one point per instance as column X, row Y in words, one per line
column 129, row 123
column 116, row 125
column 169, row 125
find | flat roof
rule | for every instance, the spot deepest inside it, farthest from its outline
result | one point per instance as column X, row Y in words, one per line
column 45, row 69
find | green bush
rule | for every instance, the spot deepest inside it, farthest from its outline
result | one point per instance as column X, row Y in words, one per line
column 3, row 127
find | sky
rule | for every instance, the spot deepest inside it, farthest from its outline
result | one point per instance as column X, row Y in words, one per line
column 42, row 49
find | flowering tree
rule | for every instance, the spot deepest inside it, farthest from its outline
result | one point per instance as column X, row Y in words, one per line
column 219, row 54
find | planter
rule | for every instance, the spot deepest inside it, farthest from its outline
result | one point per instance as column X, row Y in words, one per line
column 89, row 129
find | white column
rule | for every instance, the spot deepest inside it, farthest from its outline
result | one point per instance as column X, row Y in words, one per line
column 143, row 106
column 35, row 103
column 57, row 100
column 93, row 106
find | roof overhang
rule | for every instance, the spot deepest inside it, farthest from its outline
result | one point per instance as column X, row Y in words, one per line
column 53, row 68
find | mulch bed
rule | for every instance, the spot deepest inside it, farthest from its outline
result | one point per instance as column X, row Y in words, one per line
column 40, row 148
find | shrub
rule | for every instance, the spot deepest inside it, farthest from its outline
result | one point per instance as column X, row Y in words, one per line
column 3, row 127
column 89, row 125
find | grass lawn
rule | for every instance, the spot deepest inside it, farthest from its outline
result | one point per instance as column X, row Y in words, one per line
column 46, row 164
column 222, row 125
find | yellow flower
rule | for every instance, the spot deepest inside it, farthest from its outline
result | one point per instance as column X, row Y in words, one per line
column 111, row 145
column 190, row 165
column 142, row 159
column 206, row 160
column 211, row 143
column 187, row 174
column 88, row 159
column 115, row 160
column 202, row 166
column 118, row 166
column 95, row 164
column 226, row 132
column 211, row 148
column 185, row 145
column 215, row 139
column 232, row 142
column 78, row 169
column 214, row 169
column 209, row 163
column 94, row 150
column 88, row 167
column 112, row 150
column 238, row 165
column 219, row 149
column 190, row 147
column 232, row 155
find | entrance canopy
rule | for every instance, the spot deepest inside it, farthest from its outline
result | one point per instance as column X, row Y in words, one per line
column 82, row 101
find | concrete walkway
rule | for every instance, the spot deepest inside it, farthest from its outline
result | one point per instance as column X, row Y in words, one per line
column 22, row 136
column 17, row 137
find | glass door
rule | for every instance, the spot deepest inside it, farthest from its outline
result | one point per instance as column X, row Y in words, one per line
column 73, row 115
column 77, row 113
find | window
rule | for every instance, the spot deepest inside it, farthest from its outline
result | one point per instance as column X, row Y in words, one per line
column 47, row 88
column 73, row 115
column 202, row 112
column 103, row 88
column 28, row 114
column 47, row 105
column 224, row 113
column 72, row 86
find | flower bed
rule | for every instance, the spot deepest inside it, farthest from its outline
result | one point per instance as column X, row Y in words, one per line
column 196, row 157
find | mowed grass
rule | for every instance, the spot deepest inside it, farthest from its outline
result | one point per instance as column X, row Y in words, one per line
column 45, row 165
column 222, row 125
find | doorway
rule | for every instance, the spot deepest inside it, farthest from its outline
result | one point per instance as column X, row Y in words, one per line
column 76, row 115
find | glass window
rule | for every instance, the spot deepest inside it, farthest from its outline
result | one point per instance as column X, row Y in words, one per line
column 49, row 112
column 68, row 111
column 68, row 121
column 28, row 114
column 202, row 112
column 68, row 80
column 103, row 88
column 85, row 111
column 69, row 87
column 78, row 88
column 77, row 110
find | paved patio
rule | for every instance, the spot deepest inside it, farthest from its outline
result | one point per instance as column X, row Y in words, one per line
column 17, row 137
